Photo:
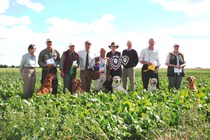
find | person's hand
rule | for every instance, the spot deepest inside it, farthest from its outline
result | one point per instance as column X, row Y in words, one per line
column 62, row 74
column 48, row 65
column 76, row 66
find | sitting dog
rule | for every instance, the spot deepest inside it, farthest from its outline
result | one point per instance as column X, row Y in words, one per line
column 46, row 87
column 191, row 83
column 152, row 84
column 116, row 84
column 77, row 86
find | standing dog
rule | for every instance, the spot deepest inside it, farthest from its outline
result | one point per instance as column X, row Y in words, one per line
column 191, row 83
column 116, row 84
column 77, row 86
column 46, row 87
column 152, row 84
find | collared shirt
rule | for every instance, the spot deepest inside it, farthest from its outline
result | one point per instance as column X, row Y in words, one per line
column 45, row 55
column 27, row 60
column 150, row 56
column 82, row 59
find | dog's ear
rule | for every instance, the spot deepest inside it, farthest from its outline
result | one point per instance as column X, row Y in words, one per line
column 188, row 78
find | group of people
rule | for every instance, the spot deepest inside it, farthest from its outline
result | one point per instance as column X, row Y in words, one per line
column 110, row 64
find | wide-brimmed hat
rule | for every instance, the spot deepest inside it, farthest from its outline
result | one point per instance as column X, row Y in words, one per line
column 113, row 44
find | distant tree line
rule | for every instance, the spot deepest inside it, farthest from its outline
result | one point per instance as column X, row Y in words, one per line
column 5, row 66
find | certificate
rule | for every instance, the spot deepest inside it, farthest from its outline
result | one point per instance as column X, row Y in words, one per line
column 177, row 70
column 50, row 61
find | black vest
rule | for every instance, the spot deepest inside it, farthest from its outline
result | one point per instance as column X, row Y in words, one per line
column 173, row 60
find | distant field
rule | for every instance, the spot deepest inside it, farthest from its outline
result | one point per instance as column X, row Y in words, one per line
column 163, row 114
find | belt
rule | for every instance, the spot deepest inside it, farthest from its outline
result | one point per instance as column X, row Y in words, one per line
column 29, row 67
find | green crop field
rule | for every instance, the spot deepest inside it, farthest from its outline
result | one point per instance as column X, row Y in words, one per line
column 163, row 114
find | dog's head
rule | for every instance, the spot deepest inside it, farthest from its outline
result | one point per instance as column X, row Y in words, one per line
column 153, row 81
column 116, row 79
column 76, row 82
column 191, row 79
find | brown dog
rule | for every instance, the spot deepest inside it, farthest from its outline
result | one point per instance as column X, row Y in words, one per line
column 191, row 83
column 46, row 87
column 77, row 86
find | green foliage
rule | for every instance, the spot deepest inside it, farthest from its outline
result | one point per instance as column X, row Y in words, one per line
column 175, row 114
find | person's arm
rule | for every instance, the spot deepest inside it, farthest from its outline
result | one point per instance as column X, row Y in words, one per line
column 23, row 61
column 62, row 64
column 141, row 59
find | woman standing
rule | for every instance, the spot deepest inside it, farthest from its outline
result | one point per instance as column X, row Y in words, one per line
column 176, row 63
column 28, row 72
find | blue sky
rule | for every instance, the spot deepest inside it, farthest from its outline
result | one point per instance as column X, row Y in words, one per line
column 185, row 22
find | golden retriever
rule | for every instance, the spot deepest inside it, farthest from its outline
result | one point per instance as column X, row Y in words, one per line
column 46, row 87
column 77, row 86
column 191, row 83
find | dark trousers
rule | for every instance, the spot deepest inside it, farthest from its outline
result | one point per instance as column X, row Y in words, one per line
column 146, row 75
column 54, row 81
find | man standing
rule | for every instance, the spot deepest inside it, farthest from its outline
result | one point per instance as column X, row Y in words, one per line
column 49, row 58
column 102, row 69
column 87, row 60
column 68, row 67
column 149, row 57
column 129, row 61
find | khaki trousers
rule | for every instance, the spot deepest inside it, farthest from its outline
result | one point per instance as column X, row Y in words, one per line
column 128, row 73
column 99, row 82
column 86, row 78
column 29, row 80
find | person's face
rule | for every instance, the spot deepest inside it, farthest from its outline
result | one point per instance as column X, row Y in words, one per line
column 32, row 50
column 71, row 48
column 151, row 42
column 102, row 53
column 49, row 44
column 87, row 46
column 129, row 44
column 176, row 48
column 113, row 48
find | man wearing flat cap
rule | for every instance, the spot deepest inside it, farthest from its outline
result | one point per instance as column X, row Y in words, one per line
column 68, row 67
column 87, row 61
column 48, row 60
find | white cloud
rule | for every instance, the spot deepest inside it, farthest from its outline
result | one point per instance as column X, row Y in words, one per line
column 191, row 7
column 36, row 6
column 10, row 20
column 4, row 5
column 15, row 39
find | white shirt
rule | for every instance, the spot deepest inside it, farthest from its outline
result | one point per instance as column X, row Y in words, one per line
column 27, row 60
column 150, row 56
column 82, row 57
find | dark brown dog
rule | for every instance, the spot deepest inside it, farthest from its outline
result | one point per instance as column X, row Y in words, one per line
column 77, row 86
column 46, row 87
column 191, row 83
